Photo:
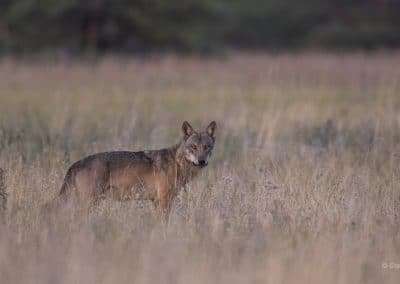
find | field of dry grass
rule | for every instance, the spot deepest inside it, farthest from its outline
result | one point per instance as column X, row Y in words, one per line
column 303, row 187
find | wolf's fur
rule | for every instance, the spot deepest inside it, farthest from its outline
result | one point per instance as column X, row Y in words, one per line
column 152, row 175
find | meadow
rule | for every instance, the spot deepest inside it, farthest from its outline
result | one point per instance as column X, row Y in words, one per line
column 303, row 185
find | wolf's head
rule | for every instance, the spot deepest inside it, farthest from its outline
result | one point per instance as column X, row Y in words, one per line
column 197, row 146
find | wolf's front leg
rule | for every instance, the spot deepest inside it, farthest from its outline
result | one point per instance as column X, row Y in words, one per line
column 162, row 208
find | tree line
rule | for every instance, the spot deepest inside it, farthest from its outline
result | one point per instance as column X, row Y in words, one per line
column 196, row 25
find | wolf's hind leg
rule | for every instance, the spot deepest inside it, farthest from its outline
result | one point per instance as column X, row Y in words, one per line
column 99, row 192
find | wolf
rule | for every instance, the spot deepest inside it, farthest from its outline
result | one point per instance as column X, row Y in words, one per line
column 155, row 175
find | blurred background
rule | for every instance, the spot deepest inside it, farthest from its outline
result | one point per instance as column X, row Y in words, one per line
column 75, row 26
column 303, row 186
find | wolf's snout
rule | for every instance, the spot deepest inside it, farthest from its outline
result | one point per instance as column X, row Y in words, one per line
column 203, row 163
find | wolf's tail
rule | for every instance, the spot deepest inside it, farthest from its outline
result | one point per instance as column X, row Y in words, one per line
column 62, row 197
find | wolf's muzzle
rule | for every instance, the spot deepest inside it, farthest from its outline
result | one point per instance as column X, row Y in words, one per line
column 203, row 163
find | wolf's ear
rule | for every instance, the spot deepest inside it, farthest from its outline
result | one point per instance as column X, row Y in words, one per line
column 187, row 129
column 211, row 128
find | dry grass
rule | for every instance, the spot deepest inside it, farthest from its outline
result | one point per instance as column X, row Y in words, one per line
column 304, row 186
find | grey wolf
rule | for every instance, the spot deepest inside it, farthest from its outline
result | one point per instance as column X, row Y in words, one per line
column 155, row 175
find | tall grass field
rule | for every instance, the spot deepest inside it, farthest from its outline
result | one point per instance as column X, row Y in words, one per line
column 303, row 185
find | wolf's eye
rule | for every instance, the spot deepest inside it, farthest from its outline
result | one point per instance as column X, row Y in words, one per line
column 194, row 147
column 205, row 147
